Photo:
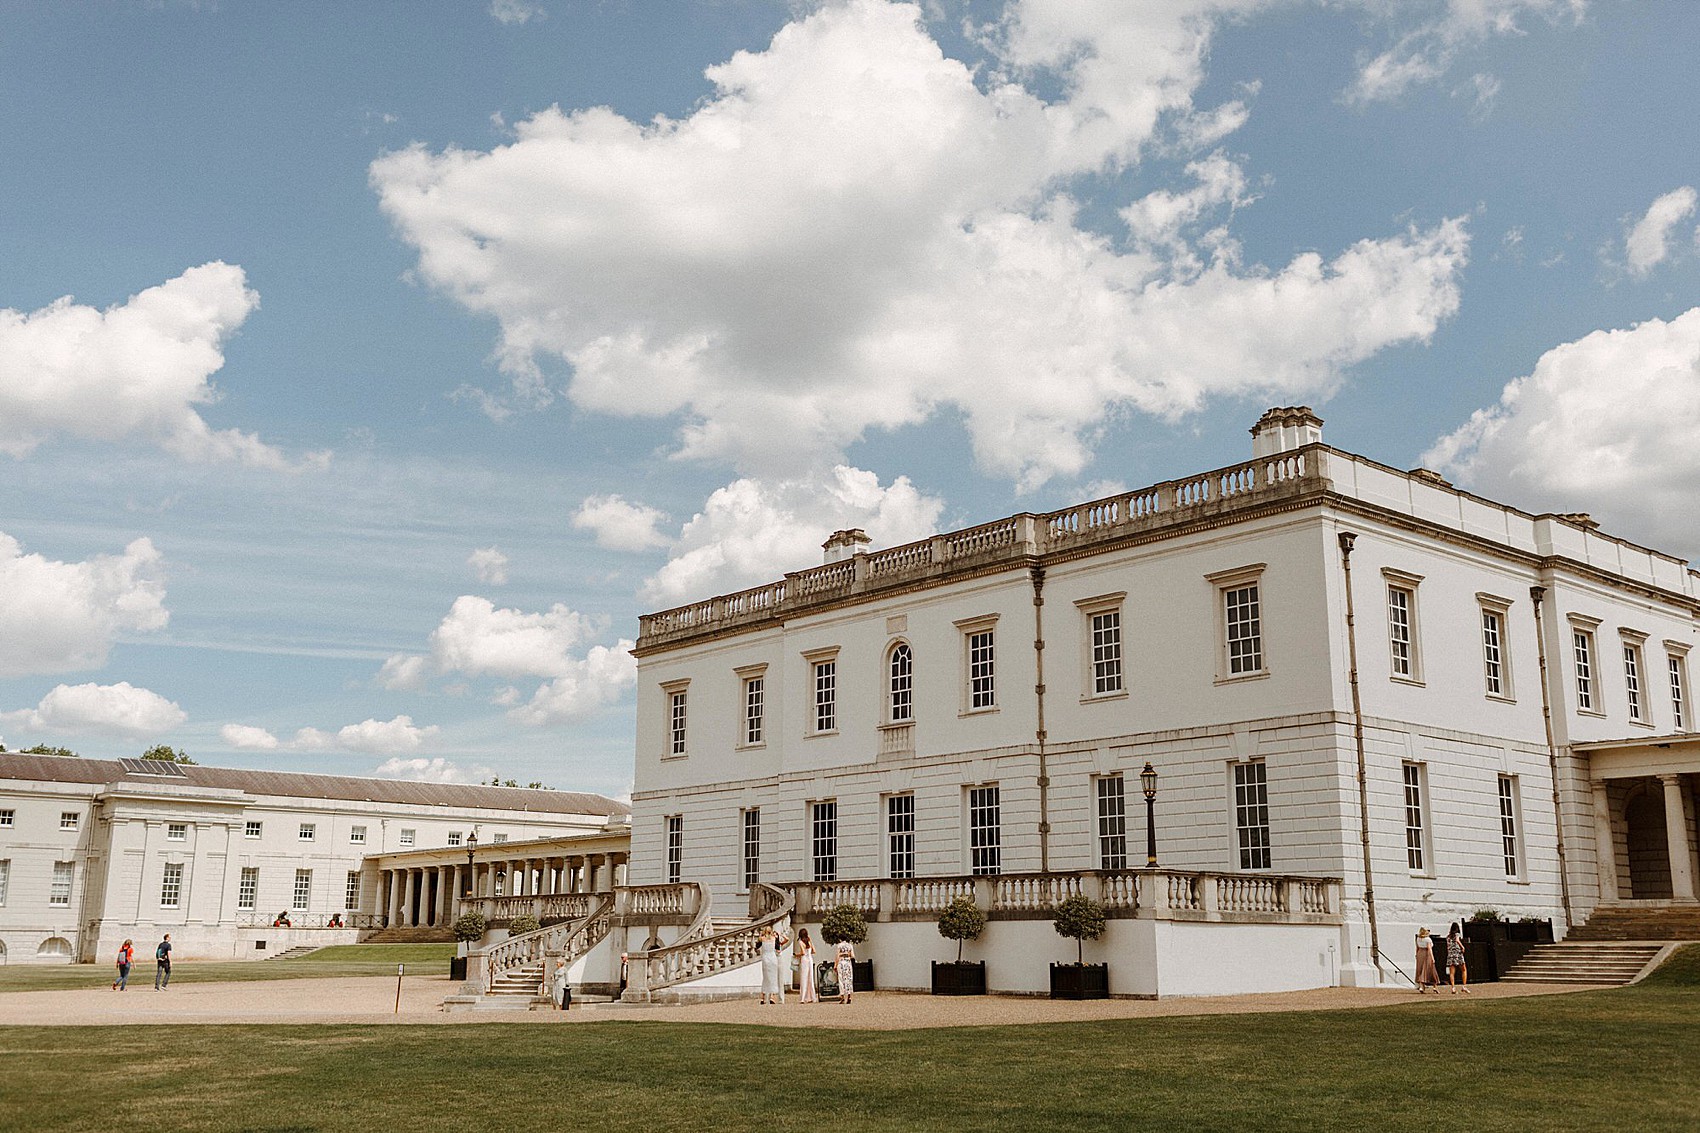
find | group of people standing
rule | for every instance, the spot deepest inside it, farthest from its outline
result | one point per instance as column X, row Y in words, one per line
column 162, row 964
column 802, row 962
column 1428, row 976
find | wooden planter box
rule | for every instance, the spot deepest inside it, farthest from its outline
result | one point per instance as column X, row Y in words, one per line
column 1501, row 944
column 457, row 968
column 1080, row 981
column 959, row 977
column 826, row 977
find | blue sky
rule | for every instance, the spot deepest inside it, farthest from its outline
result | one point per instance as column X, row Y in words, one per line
column 366, row 369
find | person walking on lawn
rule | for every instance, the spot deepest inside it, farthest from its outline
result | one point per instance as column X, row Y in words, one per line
column 162, row 964
column 126, row 955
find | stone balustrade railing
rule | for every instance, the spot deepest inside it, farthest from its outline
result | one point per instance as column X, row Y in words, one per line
column 701, row 953
column 543, row 906
column 1005, row 540
column 1155, row 893
column 485, row 964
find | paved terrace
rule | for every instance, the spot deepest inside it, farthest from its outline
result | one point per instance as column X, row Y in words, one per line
column 372, row 1000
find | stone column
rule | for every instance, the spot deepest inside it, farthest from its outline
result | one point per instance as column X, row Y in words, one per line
column 443, row 890
column 598, row 869
column 411, row 913
column 392, row 898
column 1605, row 849
column 1676, row 834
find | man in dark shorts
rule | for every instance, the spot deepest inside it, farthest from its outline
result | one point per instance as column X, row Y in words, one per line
column 162, row 964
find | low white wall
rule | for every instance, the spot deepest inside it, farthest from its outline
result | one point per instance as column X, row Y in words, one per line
column 279, row 939
column 1200, row 958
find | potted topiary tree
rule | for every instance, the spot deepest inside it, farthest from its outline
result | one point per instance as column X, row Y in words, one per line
column 961, row 920
column 523, row 924
column 468, row 929
column 1080, row 919
column 847, row 923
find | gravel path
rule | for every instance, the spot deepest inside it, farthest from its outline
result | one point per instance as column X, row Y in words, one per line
column 372, row 999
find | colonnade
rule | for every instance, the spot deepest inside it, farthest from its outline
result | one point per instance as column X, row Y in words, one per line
column 431, row 894
column 1678, row 822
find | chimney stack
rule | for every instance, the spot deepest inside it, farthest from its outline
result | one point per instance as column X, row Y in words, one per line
column 1284, row 429
column 845, row 544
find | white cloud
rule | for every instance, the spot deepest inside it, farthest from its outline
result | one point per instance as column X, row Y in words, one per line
column 490, row 565
column 587, row 685
column 372, row 737
column 1427, row 51
column 403, row 671
column 247, row 737
column 118, row 710
column 438, row 770
column 512, row 12
column 1648, row 242
column 621, row 526
column 752, row 531
column 1608, row 424
column 58, row 617
column 136, row 370
column 852, row 233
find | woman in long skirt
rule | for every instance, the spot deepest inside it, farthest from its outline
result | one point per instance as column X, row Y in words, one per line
column 846, row 970
column 1427, row 975
column 806, row 966
column 769, row 965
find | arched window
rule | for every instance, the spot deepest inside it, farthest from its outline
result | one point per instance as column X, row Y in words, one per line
column 902, row 684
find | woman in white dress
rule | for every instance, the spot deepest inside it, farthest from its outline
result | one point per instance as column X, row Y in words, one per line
column 769, row 965
column 806, row 966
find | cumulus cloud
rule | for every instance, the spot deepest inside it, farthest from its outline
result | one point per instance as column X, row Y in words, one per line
column 1424, row 53
column 137, row 370
column 421, row 770
column 372, row 737
column 854, row 232
column 1648, row 243
column 247, row 737
column 490, row 565
column 621, row 526
column 478, row 639
column 752, row 530
column 115, row 710
column 513, row 12
column 1608, row 424
column 58, row 617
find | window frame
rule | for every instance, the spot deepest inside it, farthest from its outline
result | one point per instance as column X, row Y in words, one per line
column 1225, row 584
column 8, row 818
column 351, row 892
column 357, row 835
column 1584, row 635
column 1110, row 810
column 978, row 700
column 171, row 886
column 984, row 841
column 407, row 836
column 56, row 900
column 823, row 839
column 1248, row 780
column 752, row 706
column 5, row 880
column 70, row 820
column 900, row 683
column 750, row 824
column 1676, row 679
column 307, row 832
column 1403, row 582
column 900, row 836
column 301, row 896
column 253, row 828
column 1509, row 793
column 676, row 730
column 248, row 888
column 1635, row 699
column 1499, row 609
column 1419, row 857
column 823, row 687
column 176, row 831
column 674, row 827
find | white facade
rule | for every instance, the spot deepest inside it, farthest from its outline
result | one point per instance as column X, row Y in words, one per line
column 1227, row 592
column 92, row 852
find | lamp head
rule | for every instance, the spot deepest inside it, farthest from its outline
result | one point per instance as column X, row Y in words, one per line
column 1148, row 781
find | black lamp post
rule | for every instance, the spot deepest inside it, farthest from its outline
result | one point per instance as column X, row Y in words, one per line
column 1148, row 784
column 471, row 877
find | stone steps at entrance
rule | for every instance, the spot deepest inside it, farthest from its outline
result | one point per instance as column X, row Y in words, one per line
column 293, row 953
column 423, row 934
column 1616, row 922
column 1609, row 964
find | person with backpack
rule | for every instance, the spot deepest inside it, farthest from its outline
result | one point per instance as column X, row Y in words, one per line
column 126, row 954
column 162, row 964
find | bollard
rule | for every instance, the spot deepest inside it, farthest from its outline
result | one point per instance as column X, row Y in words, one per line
column 399, row 970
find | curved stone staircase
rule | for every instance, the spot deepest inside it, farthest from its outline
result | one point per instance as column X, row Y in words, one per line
column 715, row 956
column 513, row 973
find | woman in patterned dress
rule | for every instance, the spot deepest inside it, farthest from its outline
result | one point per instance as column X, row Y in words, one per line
column 846, row 970
column 1456, row 971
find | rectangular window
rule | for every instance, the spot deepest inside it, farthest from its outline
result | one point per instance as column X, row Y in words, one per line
column 1493, row 656
column 1678, row 690
column 454, row 837
column 252, row 830
column 826, row 696
column 5, row 879
column 823, row 840
column 68, row 820
column 985, row 831
column 1112, row 822
column 752, row 846
column 900, row 835
column 1632, row 680
column 357, row 835
column 1508, row 824
column 303, row 888
column 675, row 848
column 1251, row 814
column 982, row 669
column 248, row 887
column 1243, row 610
column 307, row 832
column 60, row 895
column 676, row 706
column 171, row 886
column 1583, row 643
column 6, row 818
column 755, row 697
column 499, row 839
column 1400, row 601
column 1415, row 846
column 176, row 832
column 407, row 837
column 351, row 895
column 1106, row 652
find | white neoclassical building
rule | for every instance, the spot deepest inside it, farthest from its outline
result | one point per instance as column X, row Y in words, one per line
column 95, row 851
column 1372, row 702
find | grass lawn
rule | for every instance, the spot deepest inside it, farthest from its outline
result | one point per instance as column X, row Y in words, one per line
column 1624, row 1059
column 339, row 960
